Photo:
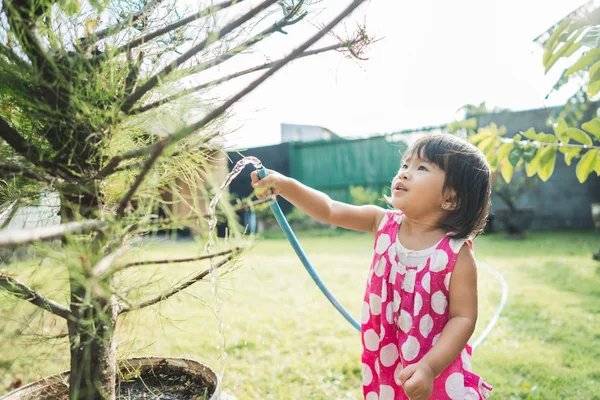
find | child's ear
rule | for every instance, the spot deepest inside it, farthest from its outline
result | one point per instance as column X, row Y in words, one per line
column 449, row 203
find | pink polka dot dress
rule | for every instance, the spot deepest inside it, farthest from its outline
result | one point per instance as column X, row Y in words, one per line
column 404, row 312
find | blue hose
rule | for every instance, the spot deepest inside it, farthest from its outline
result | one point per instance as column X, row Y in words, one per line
column 289, row 234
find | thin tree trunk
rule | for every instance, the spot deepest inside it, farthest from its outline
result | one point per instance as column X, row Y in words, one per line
column 93, row 350
column 94, row 314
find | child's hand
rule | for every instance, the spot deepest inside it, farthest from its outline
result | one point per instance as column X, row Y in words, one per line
column 273, row 183
column 417, row 381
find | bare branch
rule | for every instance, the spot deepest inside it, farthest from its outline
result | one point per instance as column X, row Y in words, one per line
column 12, row 56
column 211, row 37
column 24, row 292
column 18, row 143
column 226, row 78
column 26, row 236
column 182, row 286
column 181, row 260
column 141, row 163
column 215, row 113
column 138, row 181
column 176, row 25
column 27, row 173
column 113, row 163
column 277, row 26
column 106, row 262
column 7, row 214
column 118, row 27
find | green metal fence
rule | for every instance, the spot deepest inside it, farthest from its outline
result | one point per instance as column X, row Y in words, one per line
column 333, row 166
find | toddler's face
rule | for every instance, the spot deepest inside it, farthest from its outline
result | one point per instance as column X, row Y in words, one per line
column 418, row 186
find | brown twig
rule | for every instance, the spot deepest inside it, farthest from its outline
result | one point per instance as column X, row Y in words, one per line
column 176, row 25
column 118, row 27
column 26, row 236
column 138, row 181
column 226, row 78
column 27, row 173
column 19, row 144
column 182, row 286
column 180, row 260
column 155, row 80
column 24, row 292
column 215, row 113
column 277, row 26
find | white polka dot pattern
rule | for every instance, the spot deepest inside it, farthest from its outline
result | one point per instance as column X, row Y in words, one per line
column 383, row 242
column 439, row 302
column 367, row 375
column 371, row 340
column 426, row 282
column 365, row 314
column 418, row 304
column 455, row 386
column 405, row 321
column 372, row 396
column 389, row 355
column 380, row 268
column 375, row 302
column 386, row 393
column 411, row 348
column 403, row 314
column 426, row 325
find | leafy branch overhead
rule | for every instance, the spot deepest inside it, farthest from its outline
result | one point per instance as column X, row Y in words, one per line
column 577, row 136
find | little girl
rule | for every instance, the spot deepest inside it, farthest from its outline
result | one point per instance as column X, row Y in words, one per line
column 420, row 304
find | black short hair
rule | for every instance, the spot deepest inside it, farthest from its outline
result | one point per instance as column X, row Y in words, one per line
column 467, row 173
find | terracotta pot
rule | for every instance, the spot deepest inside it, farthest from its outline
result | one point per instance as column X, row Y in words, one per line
column 58, row 383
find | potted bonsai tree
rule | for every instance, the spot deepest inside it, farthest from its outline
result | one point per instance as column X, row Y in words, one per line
column 84, row 89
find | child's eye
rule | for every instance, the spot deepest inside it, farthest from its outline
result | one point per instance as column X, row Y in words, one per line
column 404, row 166
column 422, row 168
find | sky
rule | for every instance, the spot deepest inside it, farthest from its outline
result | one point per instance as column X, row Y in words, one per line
column 432, row 58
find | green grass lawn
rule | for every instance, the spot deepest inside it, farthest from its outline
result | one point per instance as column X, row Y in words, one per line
column 283, row 340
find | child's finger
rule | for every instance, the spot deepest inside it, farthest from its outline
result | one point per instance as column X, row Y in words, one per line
column 266, row 181
column 405, row 374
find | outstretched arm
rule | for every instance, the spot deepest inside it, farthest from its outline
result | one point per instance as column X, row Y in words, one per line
column 317, row 204
column 417, row 379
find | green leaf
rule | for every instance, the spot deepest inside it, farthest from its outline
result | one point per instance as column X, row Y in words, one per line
column 507, row 170
column 579, row 136
column 594, row 69
column 570, row 153
column 487, row 145
column 530, row 134
column 586, row 165
column 560, row 129
column 597, row 166
column 584, row 61
column 546, row 138
column 591, row 37
column 546, row 163
column 480, row 136
column 514, row 156
column 503, row 151
column 593, row 88
column 593, row 127
column 566, row 50
column 532, row 166
column 553, row 41
column 529, row 153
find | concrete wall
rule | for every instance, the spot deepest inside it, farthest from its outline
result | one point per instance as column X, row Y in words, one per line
column 561, row 202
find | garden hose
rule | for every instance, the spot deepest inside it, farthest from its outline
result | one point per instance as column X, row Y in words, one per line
column 291, row 237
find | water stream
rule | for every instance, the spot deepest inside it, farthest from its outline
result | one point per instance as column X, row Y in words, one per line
column 211, row 221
